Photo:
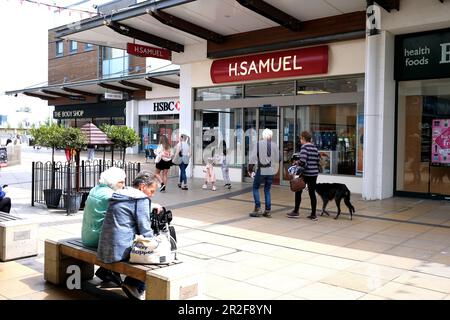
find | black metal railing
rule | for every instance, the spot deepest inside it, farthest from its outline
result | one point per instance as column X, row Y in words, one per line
column 67, row 178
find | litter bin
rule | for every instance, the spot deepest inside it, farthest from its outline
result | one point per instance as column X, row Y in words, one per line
column 72, row 201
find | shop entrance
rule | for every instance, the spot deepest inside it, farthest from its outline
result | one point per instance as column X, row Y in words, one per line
column 255, row 121
column 423, row 139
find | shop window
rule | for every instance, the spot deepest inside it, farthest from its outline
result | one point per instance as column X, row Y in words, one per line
column 215, row 131
column 335, row 133
column 423, row 135
column 337, row 85
column 272, row 89
column 218, row 93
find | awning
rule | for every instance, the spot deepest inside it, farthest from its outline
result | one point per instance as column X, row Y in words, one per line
column 226, row 25
column 94, row 135
column 82, row 90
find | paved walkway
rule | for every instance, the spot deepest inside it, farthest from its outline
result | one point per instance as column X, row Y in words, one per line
column 397, row 248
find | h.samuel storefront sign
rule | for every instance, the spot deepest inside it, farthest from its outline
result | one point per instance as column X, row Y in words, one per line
column 424, row 55
column 280, row 64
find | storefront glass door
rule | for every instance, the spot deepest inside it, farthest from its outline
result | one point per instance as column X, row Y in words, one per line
column 423, row 137
column 287, row 140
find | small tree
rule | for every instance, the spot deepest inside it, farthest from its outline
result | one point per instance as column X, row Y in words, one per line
column 73, row 138
column 122, row 136
column 50, row 136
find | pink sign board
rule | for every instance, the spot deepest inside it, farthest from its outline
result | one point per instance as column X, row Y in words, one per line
column 440, row 154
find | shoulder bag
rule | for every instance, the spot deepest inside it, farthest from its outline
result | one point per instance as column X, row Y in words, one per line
column 297, row 183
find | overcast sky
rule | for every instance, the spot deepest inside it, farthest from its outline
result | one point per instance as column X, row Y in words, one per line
column 24, row 52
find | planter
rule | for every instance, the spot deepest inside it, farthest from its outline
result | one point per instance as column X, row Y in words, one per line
column 85, row 193
column 72, row 202
column 52, row 197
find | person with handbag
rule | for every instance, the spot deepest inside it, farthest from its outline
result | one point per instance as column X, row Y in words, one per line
column 308, row 165
column 129, row 214
column 163, row 162
column 263, row 165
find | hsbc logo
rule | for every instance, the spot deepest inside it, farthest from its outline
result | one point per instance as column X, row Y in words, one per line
column 166, row 106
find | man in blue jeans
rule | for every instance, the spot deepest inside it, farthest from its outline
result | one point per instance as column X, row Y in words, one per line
column 263, row 165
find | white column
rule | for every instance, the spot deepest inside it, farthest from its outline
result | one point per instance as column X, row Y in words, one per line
column 186, row 111
column 379, row 117
column 132, row 121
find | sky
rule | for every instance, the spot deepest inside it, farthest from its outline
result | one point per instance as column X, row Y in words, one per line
column 24, row 51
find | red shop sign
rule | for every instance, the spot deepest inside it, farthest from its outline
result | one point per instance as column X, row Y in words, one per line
column 146, row 51
column 280, row 64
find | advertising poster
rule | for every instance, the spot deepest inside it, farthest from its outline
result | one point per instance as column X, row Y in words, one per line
column 3, row 157
column 440, row 154
column 325, row 162
column 360, row 144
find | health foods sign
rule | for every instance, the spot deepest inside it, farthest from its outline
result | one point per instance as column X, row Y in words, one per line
column 423, row 55
column 280, row 64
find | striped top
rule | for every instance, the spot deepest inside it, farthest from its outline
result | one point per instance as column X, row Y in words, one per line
column 309, row 155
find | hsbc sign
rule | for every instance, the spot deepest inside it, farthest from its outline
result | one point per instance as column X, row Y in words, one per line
column 164, row 106
column 167, row 106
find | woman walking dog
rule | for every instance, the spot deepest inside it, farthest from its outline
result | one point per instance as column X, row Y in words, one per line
column 308, row 163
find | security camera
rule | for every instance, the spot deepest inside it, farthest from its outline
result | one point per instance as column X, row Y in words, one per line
column 94, row 6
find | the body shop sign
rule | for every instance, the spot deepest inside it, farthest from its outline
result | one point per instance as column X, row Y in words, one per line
column 280, row 64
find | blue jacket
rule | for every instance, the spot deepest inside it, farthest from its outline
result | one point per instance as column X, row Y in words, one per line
column 128, row 214
column 2, row 193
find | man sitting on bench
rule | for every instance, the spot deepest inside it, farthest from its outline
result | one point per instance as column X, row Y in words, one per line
column 128, row 214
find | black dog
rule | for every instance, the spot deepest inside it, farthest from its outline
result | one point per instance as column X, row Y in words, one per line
column 337, row 191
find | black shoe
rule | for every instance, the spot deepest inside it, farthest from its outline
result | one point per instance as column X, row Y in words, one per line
column 108, row 276
column 267, row 214
column 132, row 292
column 179, row 185
column 313, row 218
column 184, row 188
column 293, row 214
column 162, row 188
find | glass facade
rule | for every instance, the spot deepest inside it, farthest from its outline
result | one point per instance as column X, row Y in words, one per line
column 151, row 127
column 423, row 137
column 115, row 63
column 337, row 128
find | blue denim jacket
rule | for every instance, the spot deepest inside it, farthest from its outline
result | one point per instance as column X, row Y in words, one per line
column 128, row 214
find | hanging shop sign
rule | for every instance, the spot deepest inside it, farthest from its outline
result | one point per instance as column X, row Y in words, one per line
column 424, row 55
column 113, row 96
column 280, row 64
column 146, row 51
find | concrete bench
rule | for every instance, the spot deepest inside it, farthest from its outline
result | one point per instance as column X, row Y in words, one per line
column 18, row 237
column 174, row 281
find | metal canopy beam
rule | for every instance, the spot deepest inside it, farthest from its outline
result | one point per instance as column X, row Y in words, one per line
column 163, row 82
column 83, row 93
column 64, row 95
column 273, row 13
column 144, row 36
column 185, row 26
column 116, row 88
column 388, row 5
column 135, row 85
column 36, row 95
